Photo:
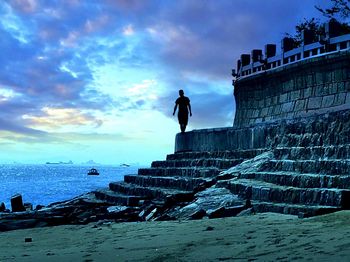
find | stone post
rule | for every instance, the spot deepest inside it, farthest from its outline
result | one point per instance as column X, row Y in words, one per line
column 17, row 203
column 270, row 50
column 245, row 59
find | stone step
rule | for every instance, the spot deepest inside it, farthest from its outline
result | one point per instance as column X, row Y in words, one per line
column 113, row 197
column 234, row 154
column 203, row 162
column 293, row 209
column 268, row 192
column 150, row 192
column 326, row 124
column 330, row 167
column 182, row 183
column 180, row 172
column 295, row 179
column 313, row 152
column 310, row 139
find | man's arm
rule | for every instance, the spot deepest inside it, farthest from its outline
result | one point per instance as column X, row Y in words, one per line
column 189, row 108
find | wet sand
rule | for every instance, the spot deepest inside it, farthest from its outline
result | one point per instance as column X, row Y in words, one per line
column 261, row 237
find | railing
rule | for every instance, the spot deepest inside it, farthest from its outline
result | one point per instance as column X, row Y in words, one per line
column 332, row 45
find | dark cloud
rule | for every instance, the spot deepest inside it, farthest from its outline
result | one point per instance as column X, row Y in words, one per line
column 203, row 39
column 212, row 34
column 51, row 64
column 9, row 125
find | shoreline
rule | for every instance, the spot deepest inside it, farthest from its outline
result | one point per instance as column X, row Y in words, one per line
column 261, row 237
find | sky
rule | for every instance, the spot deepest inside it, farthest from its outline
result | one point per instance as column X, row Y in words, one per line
column 97, row 80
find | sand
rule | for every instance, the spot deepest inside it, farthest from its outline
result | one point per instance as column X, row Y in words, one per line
column 261, row 237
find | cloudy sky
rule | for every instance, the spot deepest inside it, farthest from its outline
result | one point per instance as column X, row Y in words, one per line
column 84, row 79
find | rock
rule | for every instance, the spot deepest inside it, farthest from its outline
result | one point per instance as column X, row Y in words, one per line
column 209, row 228
column 207, row 202
column 216, row 213
column 304, row 215
column 151, row 214
column 2, row 207
column 17, row 203
column 251, row 165
column 146, row 211
column 199, row 214
column 142, row 214
column 226, row 211
column 116, row 209
column 225, row 176
column 28, row 239
column 38, row 207
column 246, row 212
column 164, row 217
column 28, row 206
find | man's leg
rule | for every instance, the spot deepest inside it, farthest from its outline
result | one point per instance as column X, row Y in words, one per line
column 183, row 127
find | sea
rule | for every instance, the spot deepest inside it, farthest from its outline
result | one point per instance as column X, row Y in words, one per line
column 49, row 183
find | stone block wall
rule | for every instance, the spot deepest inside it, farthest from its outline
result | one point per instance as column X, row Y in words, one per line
column 323, row 130
column 305, row 88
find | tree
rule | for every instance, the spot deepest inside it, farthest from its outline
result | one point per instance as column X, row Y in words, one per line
column 311, row 24
column 339, row 8
column 339, row 11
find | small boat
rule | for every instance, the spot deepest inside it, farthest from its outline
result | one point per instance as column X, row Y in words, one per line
column 93, row 172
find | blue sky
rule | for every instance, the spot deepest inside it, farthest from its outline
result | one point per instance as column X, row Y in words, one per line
column 83, row 80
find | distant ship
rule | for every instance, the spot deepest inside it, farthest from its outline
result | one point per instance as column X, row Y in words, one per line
column 124, row 165
column 60, row 163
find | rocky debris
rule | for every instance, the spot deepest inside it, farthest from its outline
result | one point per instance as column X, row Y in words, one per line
column 38, row 207
column 28, row 206
column 80, row 210
column 250, row 165
column 212, row 202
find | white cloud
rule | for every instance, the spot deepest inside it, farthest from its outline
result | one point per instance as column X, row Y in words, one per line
column 62, row 120
column 96, row 24
column 7, row 94
column 70, row 40
column 128, row 30
column 142, row 88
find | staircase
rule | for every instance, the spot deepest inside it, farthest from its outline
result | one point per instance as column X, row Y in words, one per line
column 309, row 173
column 177, row 178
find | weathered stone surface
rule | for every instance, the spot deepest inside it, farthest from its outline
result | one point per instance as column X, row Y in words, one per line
column 314, row 103
column 28, row 206
column 213, row 201
column 116, row 209
column 323, row 130
column 250, row 165
column 312, row 79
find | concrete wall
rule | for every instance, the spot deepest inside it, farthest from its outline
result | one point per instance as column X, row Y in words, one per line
column 320, row 130
column 220, row 139
column 309, row 87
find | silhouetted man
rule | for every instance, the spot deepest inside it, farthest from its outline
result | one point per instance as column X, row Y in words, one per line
column 184, row 106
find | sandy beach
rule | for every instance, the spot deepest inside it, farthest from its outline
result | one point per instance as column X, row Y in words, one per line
column 261, row 237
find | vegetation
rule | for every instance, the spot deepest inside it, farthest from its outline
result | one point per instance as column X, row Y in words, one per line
column 339, row 8
column 339, row 11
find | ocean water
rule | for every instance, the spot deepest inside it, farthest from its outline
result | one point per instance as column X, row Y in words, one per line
column 45, row 184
